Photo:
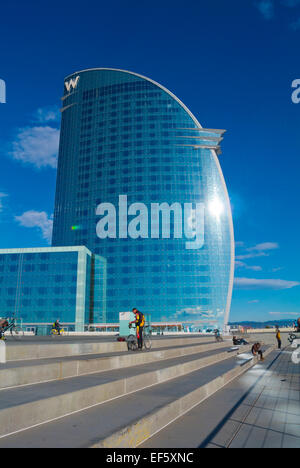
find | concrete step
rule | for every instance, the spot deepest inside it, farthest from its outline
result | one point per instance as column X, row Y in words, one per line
column 63, row 346
column 127, row 421
column 256, row 410
column 34, row 371
column 17, row 373
column 26, row 406
column 135, row 433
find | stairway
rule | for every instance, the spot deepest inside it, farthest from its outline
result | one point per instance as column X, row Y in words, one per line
column 98, row 394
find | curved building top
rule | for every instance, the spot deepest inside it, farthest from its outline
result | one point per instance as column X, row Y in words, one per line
column 129, row 146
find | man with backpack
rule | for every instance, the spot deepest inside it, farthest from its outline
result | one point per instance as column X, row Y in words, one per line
column 139, row 323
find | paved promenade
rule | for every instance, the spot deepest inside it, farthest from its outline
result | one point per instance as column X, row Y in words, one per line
column 260, row 409
column 184, row 393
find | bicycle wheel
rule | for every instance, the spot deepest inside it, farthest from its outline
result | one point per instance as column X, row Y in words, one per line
column 291, row 338
column 132, row 343
column 17, row 333
column 54, row 332
column 147, row 342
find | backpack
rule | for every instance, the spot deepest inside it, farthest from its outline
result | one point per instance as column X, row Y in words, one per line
column 141, row 321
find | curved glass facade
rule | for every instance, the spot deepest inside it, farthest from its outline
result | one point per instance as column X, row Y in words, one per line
column 139, row 183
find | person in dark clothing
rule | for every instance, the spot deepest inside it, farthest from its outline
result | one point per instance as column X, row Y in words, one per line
column 218, row 335
column 239, row 341
column 3, row 325
column 278, row 337
column 139, row 323
column 56, row 326
column 256, row 350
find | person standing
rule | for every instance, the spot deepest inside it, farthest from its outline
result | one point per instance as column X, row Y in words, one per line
column 278, row 337
column 139, row 323
column 3, row 325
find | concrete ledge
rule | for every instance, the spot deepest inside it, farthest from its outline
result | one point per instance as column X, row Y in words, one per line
column 48, row 371
column 43, row 351
column 137, row 433
column 24, row 415
column 2, row 352
column 22, row 352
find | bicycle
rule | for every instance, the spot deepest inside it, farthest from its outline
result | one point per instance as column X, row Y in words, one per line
column 55, row 332
column 292, row 337
column 15, row 330
column 132, row 342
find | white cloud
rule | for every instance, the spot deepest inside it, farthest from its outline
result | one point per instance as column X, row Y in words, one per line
column 251, row 255
column 2, row 195
column 264, row 246
column 37, row 146
column 37, row 219
column 290, row 3
column 274, row 270
column 295, row 26
column 255, row 301
column 239, row 243
column 285, row 313
column 254, row 283
column 47, row 114
column 266, row 8
column 258, row 250
column 239, row 264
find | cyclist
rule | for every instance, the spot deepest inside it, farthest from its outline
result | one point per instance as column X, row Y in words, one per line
column 3, row 325
column 139, row 323
column 56, row 326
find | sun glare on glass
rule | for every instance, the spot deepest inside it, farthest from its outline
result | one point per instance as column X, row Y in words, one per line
column 216, row 207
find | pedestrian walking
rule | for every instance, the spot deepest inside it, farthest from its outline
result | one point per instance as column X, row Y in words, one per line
column 278, row 337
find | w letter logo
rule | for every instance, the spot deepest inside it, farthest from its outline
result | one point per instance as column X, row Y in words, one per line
column 2, row 92
column 72, row 84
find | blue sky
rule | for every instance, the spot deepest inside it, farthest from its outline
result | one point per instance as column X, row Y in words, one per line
column 231, row 62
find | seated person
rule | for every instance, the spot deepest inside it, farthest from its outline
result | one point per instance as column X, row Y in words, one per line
column 256, row 350
column 3, row 325
column 239, row 341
